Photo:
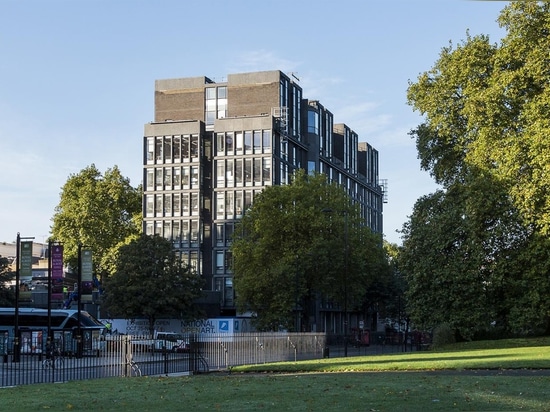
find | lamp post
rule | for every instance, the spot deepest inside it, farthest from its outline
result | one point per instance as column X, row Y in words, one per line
column 346, row 264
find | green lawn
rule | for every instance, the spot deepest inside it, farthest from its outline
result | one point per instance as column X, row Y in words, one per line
column 468, row 377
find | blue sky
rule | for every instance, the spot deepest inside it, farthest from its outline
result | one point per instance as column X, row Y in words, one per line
column 77, row 80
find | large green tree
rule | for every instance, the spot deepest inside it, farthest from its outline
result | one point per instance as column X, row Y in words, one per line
column 149, row 280
column 484, row 140
column 488, row 106
column 97, row 211
column 299, row 242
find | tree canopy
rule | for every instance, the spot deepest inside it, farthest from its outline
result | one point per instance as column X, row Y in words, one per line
column 7, row 294
column 149, row 280
column 97, row 211
column 290, row 248
column 477, row 247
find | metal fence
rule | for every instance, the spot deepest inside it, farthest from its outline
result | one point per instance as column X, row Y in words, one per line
column 125, row 355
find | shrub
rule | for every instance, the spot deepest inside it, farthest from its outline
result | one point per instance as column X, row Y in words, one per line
column 443, row 335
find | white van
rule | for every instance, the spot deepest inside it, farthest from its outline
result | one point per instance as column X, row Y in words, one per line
column 175, row 342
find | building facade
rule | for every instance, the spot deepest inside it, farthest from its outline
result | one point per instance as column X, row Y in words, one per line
column 213, row 146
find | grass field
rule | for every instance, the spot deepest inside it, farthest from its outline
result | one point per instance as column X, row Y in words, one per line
column 507, row 375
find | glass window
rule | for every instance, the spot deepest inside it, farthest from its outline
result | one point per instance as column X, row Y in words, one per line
column 229, row 172
column 185, row 147
column 158, row 204
column 220, row 142
column 168, row 205
column 219, row 260
column 313, row 122
column 210, row 105
column 248, row 141
column 194, row 230
column 220, row 172
column 222, row 92
column 239, row 142
column 210, row 93
column 150, row 149
column 247, row 199
column 166, row 231
column 239, row 203
column 158, row 148
column 257, row 170
column 220, row 204
column 248, row 170
column 150, row 179
column 167, row 176
column 229, row 203
column 194, row 145
column 219, row 233
column 158, row 177
column 185, row 231
column 176, row 145
column 238, row 171
column 257, row 141
column 229, row 233
column 167, row 148
column 185, row 177
column 194, row 176
column 229, row 142
column 266, row 141
column 176, row 204
column 194, row 203
column 176, row 178
column 185, row 203
column 176, row 234
column 149, row 205
column 266, row 170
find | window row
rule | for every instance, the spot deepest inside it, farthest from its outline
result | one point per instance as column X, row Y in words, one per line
column 257, row 141
column 239, row 172
column 180, row 231
column 172, row 149
column 172, row 204
column 179, row 177
column 231, row 204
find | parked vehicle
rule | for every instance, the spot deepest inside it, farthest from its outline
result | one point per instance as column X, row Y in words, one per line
column 175, row 342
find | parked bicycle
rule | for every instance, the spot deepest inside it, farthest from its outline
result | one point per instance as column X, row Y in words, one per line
column 134, row 367
column 54, row 358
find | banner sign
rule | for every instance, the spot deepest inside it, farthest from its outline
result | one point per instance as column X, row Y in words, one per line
column 86, row 287
column 57, row 272
column 26, row 260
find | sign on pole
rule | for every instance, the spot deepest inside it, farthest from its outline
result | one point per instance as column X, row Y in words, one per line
column 26, row 259
column 86, row 286
column 57, row 272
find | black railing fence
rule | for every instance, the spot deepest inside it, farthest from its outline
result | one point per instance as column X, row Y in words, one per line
column 126, row 355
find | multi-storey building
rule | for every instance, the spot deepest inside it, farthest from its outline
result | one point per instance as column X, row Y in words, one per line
column 213, row 146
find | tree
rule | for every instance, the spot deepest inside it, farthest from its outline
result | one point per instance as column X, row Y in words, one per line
column 7, row 295
column 484, row 139
column 487, row 106
column 98, row 211
column 290, row 248
column 149, row 280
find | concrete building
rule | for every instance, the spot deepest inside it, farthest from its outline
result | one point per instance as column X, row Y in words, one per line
column 213, row 146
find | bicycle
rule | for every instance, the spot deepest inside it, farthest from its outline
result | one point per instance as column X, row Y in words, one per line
column 54, row 359
column 134, row 367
